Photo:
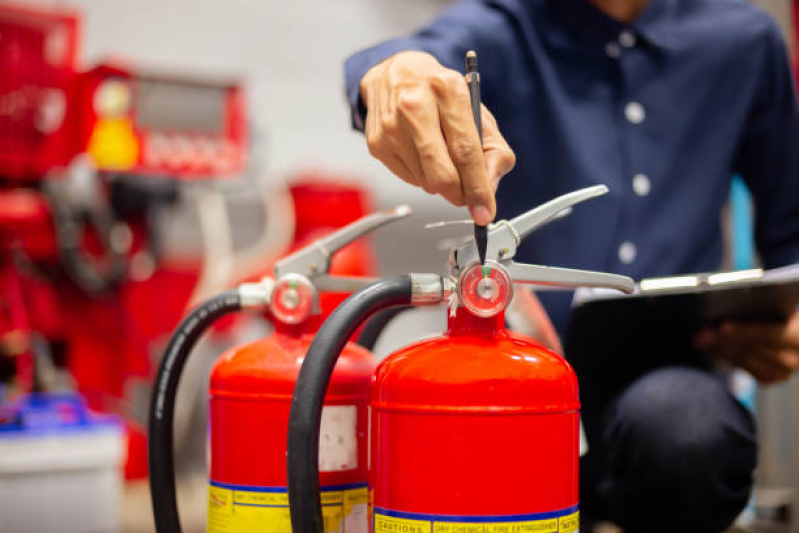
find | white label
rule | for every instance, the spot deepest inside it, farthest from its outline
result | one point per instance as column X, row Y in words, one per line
column 338, row 438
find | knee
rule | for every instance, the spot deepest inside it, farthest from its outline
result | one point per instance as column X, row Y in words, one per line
column 683, row 414
column 678, row 439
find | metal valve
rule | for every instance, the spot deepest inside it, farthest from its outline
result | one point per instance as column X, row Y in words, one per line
column 293, row 293
column 486, row 289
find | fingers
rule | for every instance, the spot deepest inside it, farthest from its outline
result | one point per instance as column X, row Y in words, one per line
column 420, row 125
column 463, row 144
column 499, row 157
column 758, row 348
column 417, row 113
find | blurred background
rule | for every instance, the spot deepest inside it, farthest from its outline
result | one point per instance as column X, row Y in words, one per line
column 153, row 153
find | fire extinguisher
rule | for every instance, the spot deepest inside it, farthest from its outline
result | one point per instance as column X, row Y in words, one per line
column 475, row 431
column 250, row 393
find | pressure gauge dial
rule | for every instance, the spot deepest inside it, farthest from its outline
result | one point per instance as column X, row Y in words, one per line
column 292, row 299
column 485, row 290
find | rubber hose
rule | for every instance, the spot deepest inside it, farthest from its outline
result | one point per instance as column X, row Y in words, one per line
column 305, row 417
column 162, row 405
column 374, row 328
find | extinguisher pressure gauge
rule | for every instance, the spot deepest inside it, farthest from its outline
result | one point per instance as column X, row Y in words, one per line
column 486, row 289
column 293, row 299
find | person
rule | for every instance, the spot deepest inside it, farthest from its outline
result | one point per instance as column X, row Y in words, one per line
column 663, row 101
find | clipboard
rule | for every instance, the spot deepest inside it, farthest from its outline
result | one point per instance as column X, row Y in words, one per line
column 612, row 339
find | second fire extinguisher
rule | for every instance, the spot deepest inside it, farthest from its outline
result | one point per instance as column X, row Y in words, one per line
column 250, row 393
column 475, row 431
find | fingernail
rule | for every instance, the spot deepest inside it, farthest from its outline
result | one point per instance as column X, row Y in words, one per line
column 480, row 215
column 705, row 338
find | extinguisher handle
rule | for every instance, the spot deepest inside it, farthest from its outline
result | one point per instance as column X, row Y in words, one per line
column 505, row 236
column 314, row 260
column 538, row 217
column 567, row 278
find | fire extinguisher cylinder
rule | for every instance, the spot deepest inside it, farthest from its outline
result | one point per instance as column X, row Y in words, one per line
column 477, row 391
column 262, row 375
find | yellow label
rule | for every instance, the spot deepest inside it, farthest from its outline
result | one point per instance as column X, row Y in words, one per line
column 234, row 509
column 418, row 523
column 528, row 526
column 570, row 523
column 390, row 524
column 354, row 498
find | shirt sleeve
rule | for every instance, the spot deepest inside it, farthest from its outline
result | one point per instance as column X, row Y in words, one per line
column 466, row 25
column 768, row 156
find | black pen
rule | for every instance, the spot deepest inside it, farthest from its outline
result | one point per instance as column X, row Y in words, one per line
column 480, row 232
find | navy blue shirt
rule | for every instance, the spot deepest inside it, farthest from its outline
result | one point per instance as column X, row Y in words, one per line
column 664, row 111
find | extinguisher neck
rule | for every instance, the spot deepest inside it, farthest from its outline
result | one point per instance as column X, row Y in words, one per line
column 309, row 325
column 465, row 323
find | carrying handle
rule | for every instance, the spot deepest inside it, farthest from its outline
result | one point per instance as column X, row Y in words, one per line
column 538, row 217
column 314, row 260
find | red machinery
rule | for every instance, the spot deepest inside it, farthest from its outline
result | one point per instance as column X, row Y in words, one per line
column 477, row 430
column 38, row 55
column 151, row 123
column 85, row 160
column 250, row 395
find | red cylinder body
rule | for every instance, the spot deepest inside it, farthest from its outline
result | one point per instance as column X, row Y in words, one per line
column 250, row 397
column 475, row 431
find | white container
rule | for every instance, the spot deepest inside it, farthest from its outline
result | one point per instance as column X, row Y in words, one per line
column 62, row 479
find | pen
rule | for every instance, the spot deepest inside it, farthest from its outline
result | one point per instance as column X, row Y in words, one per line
column 480, row 232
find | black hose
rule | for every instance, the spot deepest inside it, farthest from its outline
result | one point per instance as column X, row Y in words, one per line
column 374, row 328
column 162, row 405
column 305, row 417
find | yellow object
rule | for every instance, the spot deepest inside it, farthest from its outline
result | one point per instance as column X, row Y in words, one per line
column 252, row 511
column 113, row 144
column 393, row 524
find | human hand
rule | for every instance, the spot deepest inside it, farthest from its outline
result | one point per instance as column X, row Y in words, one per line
column 419, row 124
column 770, row 352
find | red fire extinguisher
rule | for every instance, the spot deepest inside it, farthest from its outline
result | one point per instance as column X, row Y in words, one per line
column 475, row 431
column 251, row 388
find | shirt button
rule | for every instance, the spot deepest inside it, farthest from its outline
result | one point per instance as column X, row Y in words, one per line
column 612, row 50
column 634, row 112
column 627, row 252
column 641, row 184
column 627, row 39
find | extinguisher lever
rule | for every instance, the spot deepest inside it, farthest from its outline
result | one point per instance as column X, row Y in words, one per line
column 314, row 259
column 505, row 236
column 538, row 217
column 567, row 278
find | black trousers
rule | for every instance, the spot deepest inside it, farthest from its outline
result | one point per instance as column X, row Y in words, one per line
column 675, row 452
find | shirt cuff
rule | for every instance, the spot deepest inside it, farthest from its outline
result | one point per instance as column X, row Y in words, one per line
column 359, row 64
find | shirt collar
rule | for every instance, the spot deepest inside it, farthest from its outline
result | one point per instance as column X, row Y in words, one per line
column 654, row 24
column 589, row 25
